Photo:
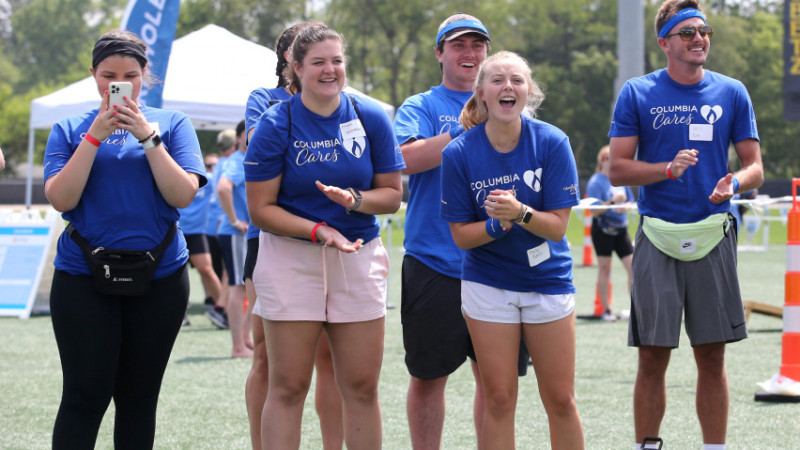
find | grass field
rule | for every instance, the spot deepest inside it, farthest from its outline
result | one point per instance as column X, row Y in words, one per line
column 202, row 400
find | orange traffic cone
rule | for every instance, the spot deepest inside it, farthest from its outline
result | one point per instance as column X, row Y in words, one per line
column 588, row 248
column 598, row 305
column 785, row 387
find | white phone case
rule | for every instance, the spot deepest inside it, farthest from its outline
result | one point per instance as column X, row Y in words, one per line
column 118, row 89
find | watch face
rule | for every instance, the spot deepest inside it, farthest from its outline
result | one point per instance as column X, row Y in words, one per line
column 527, row 217
column 152, row 142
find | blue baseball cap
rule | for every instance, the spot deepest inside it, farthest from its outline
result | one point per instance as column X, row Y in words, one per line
column 458, row 25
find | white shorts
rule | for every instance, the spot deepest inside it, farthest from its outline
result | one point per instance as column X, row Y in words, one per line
column 491, row 304
column 297, row 280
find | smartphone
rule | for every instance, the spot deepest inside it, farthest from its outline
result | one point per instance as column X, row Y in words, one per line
column 118, row 89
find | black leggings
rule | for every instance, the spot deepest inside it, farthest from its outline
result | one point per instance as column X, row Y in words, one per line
column 113, row 347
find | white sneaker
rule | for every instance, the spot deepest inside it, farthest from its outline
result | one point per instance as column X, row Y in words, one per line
column 608, row 316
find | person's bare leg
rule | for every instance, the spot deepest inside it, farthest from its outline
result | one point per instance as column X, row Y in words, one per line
column 552, row 348
column 497, row 350
column 713, row 398
column 291, row 347
column 478, row 402
column 255, row 390
column 425, row 409
column 236, row 318
column 327, row 400
column 225, row 291
column 211, row 283
column 650, row 391
column 357, row 350
column 603, row 280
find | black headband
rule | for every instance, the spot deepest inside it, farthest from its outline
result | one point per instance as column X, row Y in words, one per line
column 108, row 46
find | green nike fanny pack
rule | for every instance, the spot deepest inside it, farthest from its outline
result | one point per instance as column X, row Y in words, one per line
column 686, row 241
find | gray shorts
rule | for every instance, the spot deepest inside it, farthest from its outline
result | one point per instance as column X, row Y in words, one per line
column 708, row 290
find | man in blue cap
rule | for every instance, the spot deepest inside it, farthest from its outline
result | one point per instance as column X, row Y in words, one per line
column 435, row 333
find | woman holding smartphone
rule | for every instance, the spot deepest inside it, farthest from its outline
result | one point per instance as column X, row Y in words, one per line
column 118, row 174
column 319, row 167
column 508, row 186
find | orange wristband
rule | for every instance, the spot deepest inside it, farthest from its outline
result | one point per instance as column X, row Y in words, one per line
column 92, row 140
column 314, row 232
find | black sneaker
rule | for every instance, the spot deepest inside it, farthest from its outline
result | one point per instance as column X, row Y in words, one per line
column 208, row 303
column 218, row 317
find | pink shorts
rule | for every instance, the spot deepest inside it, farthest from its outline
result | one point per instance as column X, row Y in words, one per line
column 298, row 280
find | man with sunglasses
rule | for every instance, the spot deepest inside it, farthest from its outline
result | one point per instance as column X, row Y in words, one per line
column 670, row 135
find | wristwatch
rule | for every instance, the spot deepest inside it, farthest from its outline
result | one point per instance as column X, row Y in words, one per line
column 358, row 198
column 526, row 216
column 154, row 141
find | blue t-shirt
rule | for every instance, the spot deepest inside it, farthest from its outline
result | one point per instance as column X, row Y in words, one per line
column 668, row 117
column 599, row 187
column 427, row 236
column 259, row 101
column 333, row 150
column 541, row 171
column 215, row 213
column 121, row 206
column 195, row 216
column 233, row 170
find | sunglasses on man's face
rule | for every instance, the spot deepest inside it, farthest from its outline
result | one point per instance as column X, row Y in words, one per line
column 687, row 33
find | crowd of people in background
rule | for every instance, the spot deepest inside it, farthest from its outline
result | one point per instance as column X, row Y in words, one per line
column 281, row 225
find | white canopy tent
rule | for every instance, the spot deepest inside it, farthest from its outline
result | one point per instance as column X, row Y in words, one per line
column 210, row 75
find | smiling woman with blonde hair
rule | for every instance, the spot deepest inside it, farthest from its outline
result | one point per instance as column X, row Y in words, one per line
column 508, row 186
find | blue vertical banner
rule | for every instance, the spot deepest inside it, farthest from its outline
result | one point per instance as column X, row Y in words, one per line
column 154, row 21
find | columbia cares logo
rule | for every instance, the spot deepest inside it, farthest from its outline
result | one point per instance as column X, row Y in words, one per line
column 711, row 113
column 355, row 146
column 533, row 178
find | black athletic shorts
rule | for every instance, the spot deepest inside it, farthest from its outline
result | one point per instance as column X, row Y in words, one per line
column 250, row 258
column 216, row 255
column 196, row 243
column 435, row 334
column 614, row 240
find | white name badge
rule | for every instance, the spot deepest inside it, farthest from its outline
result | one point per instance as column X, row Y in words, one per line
column 352, row 129
column 701, row 132
column 538, row 254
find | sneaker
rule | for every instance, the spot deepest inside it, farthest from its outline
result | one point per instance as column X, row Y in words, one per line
column 218, row 317
column 608, row 316
column 185, row 322
column 654, row 443
column 208, row 303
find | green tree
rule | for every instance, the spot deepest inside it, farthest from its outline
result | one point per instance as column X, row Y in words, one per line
column 572, row 47
column 578, row 100
column 391, row 49
column 51, row 42
column 758, row 41
column 261, row 21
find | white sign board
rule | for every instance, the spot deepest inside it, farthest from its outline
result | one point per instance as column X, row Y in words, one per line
column 25, row 239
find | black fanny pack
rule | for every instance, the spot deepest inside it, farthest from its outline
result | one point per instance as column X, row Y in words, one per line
column 121, row 272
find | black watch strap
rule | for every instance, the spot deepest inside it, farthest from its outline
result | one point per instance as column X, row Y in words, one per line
column 359, row 198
